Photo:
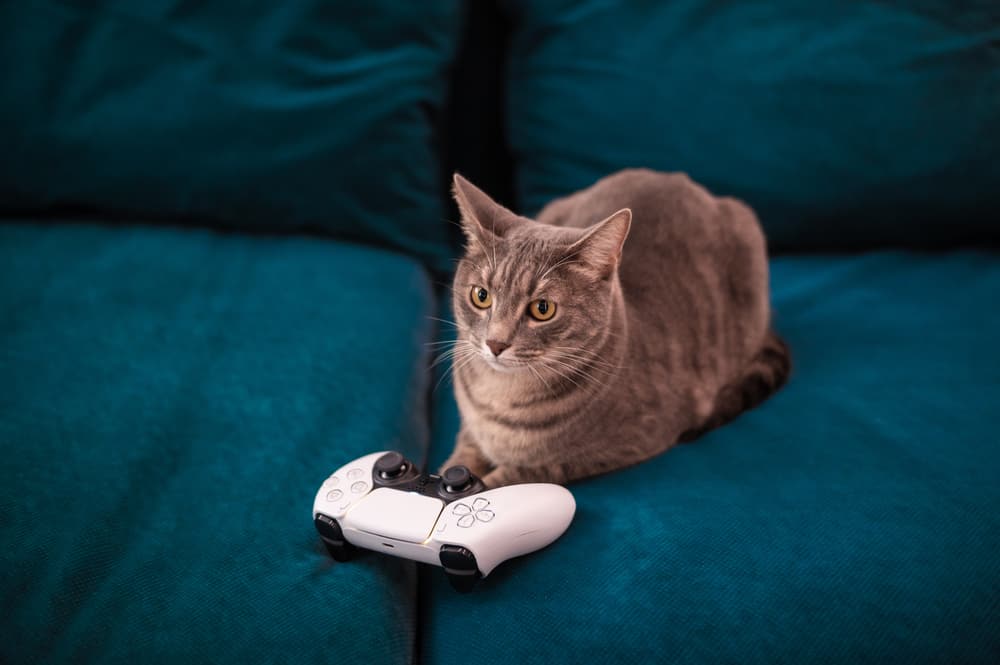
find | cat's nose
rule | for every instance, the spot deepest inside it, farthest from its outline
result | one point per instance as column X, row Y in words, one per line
column 497, row 347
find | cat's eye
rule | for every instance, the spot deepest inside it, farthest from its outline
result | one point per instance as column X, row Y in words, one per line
column 542, row 309
column 481, row 298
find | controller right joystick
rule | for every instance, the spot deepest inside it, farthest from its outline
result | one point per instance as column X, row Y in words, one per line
column 458, row 482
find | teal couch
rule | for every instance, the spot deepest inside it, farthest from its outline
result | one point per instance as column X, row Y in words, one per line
column 224, row 252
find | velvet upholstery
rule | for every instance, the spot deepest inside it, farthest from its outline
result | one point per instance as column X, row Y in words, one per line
column 295, row 115
column 851, row 518
column 844, row 124
column 170, row 400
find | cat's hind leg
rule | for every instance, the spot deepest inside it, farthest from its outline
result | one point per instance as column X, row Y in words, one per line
column 765, row 375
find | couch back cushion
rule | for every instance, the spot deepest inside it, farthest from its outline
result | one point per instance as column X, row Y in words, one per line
column 301, row 114
column 845, row 124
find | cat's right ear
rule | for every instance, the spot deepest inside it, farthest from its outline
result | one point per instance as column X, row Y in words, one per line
column 600, row 249
column 483, row 219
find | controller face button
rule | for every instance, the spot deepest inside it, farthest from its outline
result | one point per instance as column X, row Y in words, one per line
column 354, row 474
column 479, row 504
column 484, row 515
column 359, row 487
column 333, row 495
column 466, row 521
column 461, row 509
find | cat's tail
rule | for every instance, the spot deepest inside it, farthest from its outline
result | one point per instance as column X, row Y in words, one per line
column 767, row 372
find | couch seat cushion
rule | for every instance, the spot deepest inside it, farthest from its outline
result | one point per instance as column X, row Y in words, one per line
column 852, row 518
column 170, row 400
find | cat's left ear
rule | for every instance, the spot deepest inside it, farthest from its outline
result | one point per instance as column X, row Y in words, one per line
column 601, row 247
column 482, row 218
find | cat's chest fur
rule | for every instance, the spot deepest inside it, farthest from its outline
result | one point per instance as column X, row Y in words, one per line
column 516, row 419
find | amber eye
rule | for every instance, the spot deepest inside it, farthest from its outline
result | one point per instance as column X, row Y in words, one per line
column 542, row 309
column 481, row 298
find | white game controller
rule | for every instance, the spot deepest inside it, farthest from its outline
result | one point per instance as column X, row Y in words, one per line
column 382, row 502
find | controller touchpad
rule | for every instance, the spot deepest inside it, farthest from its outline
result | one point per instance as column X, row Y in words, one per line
column 399, row 515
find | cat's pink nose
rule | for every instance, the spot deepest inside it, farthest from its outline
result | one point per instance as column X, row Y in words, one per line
column 497, row 347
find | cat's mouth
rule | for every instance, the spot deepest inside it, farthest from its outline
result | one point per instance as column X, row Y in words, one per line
column 502, row 363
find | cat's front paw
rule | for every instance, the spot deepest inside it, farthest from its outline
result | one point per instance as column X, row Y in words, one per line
column 498, row 477
column 502, row 475
column 477, row 466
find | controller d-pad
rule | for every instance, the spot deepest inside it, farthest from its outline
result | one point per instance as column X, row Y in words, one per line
column 354, row 474
column 478, row 512
column 359, row 487
column 333, row 495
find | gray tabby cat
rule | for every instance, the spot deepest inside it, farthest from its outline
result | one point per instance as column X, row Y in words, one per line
column 579, row 353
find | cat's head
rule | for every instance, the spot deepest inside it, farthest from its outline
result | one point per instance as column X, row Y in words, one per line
column 528, row 296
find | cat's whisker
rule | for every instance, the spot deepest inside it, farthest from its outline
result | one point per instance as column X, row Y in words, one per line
column 443, row 376
column 589, row 353
column 558, row 372
column 538, row 268
column 472, row 355
column 585, row 376
column 585, row 356
column 561, row 376
column 471, row 263
column 542, row 264
column 493, row 240
column 463, row 347
column 468, row 355
column 540, row 378
column 562, row 363
column 486, row 251
column 439, row 343
column 440, row 320
column 563, row 262
column 577, row 370
column 448, row 355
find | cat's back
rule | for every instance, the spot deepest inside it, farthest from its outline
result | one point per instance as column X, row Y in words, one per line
column 662, row 204
column 689, row 255
column 675, row 222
